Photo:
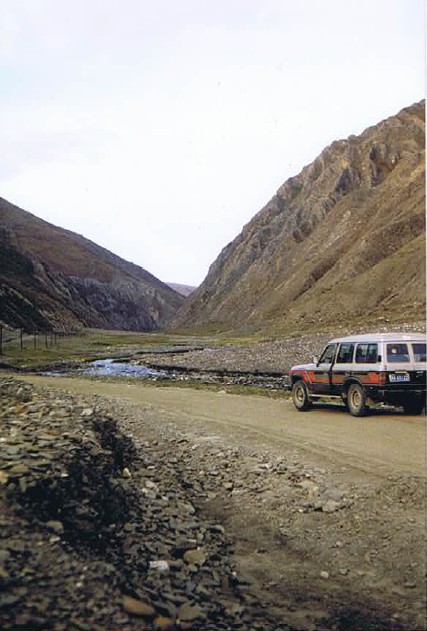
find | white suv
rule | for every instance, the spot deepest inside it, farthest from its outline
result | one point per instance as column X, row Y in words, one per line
column 360, row 369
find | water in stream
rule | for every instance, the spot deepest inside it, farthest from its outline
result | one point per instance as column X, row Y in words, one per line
column 111, row 368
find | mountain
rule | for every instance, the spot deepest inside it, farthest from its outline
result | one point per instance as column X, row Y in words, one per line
column 184, row 290
column 343, row 240
column 51, row 278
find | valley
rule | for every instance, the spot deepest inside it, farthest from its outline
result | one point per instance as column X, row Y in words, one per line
column 183, row 490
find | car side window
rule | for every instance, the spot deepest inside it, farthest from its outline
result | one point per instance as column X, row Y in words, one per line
column 345, row 354
column 366, row 353
column 397, row 352
column 419, row 352
column 328, row 354
column 372, row 355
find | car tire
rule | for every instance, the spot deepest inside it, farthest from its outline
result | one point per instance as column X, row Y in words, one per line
column 356, row 400
column 300, row 397
column 345, row 402
column 413, row 406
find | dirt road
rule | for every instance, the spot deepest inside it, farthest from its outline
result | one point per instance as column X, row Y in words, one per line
column 326, row 511
column 383, row 442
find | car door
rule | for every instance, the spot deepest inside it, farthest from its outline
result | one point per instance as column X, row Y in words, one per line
column 341, row 368
column 323, row 370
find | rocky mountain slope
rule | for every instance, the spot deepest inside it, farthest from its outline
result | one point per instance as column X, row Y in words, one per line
column 54, row 278
column 344, row 239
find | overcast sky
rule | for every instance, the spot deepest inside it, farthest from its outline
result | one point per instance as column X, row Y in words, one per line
column 158, row 128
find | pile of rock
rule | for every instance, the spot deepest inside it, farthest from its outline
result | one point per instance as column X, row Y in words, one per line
column 95, row 535
column 269, row 380
column 265, row 357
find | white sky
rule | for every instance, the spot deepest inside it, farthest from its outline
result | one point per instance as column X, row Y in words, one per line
column 158, row 128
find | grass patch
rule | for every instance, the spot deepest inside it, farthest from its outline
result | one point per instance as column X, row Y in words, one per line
column 85, row 346
column 93, row 344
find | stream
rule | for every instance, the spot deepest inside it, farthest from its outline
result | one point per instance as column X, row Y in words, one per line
column 110, row 367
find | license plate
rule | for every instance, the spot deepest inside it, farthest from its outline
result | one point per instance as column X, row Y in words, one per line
column 398, row 378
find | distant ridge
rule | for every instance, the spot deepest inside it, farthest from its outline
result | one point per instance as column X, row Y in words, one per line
column 184, row 290
column 51, row 278
column 342, row 241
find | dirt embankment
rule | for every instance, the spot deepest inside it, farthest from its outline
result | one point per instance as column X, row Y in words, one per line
column 324, row 513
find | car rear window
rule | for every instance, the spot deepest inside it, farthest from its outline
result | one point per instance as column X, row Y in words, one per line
column 397, row 352
column 345, row 354
column 366, row 353
column 419, row 351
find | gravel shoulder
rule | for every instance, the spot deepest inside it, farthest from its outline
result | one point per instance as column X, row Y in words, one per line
column 326, row 513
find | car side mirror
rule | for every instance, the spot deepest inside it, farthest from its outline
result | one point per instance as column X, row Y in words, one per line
column 315, row 360
column 379, row 359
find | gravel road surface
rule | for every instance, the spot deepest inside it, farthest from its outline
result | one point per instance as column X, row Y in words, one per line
column 326, row 512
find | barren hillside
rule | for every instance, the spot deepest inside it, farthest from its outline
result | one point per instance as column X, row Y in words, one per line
column 343, row 239
column 54, row 278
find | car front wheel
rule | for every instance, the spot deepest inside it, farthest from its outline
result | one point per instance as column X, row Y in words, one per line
column 300, row 396
column 356, row 400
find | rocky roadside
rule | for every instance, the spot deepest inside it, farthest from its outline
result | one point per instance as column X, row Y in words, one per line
column 322, row 548
column 95, row 534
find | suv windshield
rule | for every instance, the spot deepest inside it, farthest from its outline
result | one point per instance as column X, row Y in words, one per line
column 328, row 354
column 397, row 352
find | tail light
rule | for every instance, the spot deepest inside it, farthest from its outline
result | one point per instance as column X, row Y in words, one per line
column 382, row 378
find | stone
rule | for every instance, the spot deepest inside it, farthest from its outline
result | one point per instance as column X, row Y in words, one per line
column 217, row 528
column 4, row 555
column 186, row 507
column 160, row 566
column 23, row 394
column 334, row 494
column 87, row 412
column 331, row 506
column 3, row 574
column 410, row 584
column 195, row 557
column 163, row 623
column 137, row 607
column 8, row 600
column 56, row 526
column 188, row 612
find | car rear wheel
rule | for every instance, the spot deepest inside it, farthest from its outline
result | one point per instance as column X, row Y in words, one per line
column 300, row 396
column 356, row 400
column 413, row 406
